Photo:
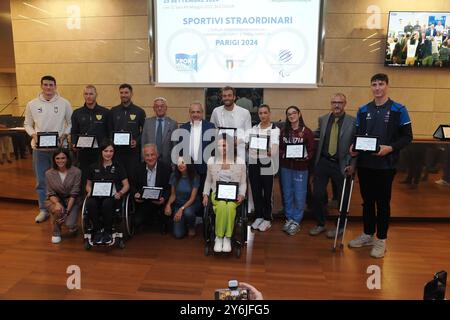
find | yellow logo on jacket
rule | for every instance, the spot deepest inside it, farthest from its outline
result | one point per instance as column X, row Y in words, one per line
column 132, row 117
column 99, row 117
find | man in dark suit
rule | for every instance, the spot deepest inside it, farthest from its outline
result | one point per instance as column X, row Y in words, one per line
column 431, row 31
column 333, row 160
column 158, row 130
column 151, row 173
column 199, row 139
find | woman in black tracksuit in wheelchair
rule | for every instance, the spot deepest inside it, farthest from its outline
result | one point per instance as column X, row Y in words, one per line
column 106, row 169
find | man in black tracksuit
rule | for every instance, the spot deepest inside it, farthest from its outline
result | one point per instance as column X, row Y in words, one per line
column 90, row 119
column 130, row 118
column 390, row 122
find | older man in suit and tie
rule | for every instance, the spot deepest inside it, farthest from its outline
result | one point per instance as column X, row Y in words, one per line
column 333, row 161
column 158, row 130
column 151, row 173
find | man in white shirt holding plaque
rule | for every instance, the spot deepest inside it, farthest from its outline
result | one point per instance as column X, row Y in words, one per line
column 49, row 112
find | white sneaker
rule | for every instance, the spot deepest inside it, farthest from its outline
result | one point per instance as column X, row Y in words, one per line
column 379, row 248
column 287, row 225
column 264, row 226
column 226, row 245
column 317, row 230
column 41, row 217
column 56, row 239
column 257, row 222
column 442, row 182
column 218, row 243
column 362, row 241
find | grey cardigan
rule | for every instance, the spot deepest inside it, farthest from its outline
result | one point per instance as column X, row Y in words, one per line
column 238, row 174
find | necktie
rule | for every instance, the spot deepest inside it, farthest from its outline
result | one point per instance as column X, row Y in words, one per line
column 332, row 147
column 159, row 136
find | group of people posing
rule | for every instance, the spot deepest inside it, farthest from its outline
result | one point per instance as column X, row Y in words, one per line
column 188, row 162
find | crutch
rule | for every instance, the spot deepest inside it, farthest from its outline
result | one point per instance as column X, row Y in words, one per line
column 344, row 208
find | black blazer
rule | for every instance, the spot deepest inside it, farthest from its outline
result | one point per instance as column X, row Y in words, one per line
column 206, row 125
column 162, row 178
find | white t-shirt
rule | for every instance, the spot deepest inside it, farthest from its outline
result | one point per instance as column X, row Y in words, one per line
column 238, row 118
column 411, row 52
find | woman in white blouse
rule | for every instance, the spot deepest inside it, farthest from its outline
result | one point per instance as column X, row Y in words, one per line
column 225, row 167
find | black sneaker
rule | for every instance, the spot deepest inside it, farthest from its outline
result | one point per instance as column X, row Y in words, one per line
column 98, row 237
column 107, row 238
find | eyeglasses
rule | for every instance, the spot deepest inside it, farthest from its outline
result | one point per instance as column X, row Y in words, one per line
column 292, row 113
column 337, row 102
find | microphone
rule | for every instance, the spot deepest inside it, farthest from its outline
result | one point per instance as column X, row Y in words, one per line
column 8, row 104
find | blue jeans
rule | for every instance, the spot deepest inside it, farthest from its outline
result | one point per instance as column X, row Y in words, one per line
column 42, row 161
column 188, row 217
column 294, row 184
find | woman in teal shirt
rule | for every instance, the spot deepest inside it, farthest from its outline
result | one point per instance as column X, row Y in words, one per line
column 183, row 202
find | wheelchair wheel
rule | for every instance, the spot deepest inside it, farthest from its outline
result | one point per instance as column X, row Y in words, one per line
column 87, row 245
column 237, row 251
column 86, row 224
column 121, row 244
column 128, row 209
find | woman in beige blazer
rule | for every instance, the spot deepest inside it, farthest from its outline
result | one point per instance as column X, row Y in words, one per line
column 63, row 193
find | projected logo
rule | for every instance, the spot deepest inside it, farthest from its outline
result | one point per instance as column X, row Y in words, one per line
column 233, row 63
column 186, row 62
column 284, row 56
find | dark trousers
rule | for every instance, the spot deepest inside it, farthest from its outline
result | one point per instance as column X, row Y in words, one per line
column 262, row 187
column 415, row 159
column 200, row 210
column 446, row 175
column 324, row 171
column 129, row 159
column 376, row 189
column 147, row 213
column 101, row 207
column 85, row 159
column 19, row 141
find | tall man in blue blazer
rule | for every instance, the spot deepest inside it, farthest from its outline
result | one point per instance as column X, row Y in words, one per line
column 158, row 130
column 333, row 160
column 201, row 134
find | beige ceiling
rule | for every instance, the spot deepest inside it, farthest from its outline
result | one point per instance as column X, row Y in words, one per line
column 6, row 40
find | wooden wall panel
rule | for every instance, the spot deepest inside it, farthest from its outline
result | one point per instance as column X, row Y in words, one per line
column 111, row 47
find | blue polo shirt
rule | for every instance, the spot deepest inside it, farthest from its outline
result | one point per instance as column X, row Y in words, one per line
column 381, row 121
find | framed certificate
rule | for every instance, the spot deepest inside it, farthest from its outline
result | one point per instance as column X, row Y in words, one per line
column 446, row 131
column 228, row 131
column 85, row 141
column 227, row 191
column 122, row 138
column 151, row 193
column 47, row 139
column 442, row 132
column 366, row 143
column 259, row 142
column 295, row 151
column 102, row 189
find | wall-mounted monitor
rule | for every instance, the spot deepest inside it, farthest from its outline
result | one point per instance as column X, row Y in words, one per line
column 418, row 40
column 251, row 43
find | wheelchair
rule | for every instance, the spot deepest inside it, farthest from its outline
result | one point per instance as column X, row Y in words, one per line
column 239, row 237
column 123, row 224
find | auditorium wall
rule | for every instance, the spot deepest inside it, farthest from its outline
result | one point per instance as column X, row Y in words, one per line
column 104, row 42
column 8, row 91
